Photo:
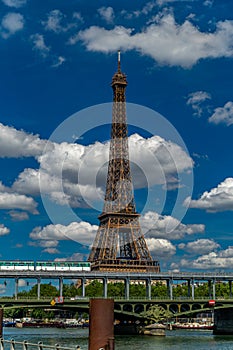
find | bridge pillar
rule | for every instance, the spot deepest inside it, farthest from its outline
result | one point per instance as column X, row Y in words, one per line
column 148, row 288
column 127, row 282
column 210, row 290
column 214, row 290
column 16, row 288
column 105, row 287
column 230, row 288
column 38, row 288
column 169, row 288
column 83, row 287
column 191, row 290
column 60, row 286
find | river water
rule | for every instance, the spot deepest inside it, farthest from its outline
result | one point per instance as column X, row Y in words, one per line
column 174, row 340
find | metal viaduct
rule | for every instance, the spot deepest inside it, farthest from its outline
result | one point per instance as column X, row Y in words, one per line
column 127, row 305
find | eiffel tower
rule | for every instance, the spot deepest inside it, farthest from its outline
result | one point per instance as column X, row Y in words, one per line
column 119, row 244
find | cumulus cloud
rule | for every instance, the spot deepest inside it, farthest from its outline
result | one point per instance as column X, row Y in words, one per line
column 4, row 230
column 14, row 3
column 166, row 41
column 217, row 199
column 56, row 21
column 18, row 215
column 158, row 226
column 81, row 232
column 17, row 143
column 200, row 246
column 214, row 260
column 196, row 100
column 84, row 169
column 39, row 45
column 74, row 257
column 11, row 24
column 160, row 248
column 223, row 115
column 106, row 13
column 17, row 201
column 51, row 251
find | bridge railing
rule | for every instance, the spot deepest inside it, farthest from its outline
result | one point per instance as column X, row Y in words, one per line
column 25, row 345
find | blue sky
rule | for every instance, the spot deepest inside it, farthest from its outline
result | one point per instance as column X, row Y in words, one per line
column 56, row 64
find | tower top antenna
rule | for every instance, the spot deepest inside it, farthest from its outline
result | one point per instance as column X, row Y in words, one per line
column 119, row 60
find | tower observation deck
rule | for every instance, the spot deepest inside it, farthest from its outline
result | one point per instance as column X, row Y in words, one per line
column 119, row 244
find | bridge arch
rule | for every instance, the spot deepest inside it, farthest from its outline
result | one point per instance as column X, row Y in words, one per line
column 196, row 307
column 185, row 307
column 138, row 308
column 128, row 307
column 174, row 308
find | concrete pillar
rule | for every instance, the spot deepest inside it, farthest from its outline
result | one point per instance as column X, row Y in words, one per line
column 16, row 288
column 60, row 286
column 189, row 288
column 214, row 292
column 38, row 287
column 148, row 288
column 230, row 289
column 127, row 282
column 193, row 289
column 169, row 288
column 105, row 287
column 101, row 324
column 83, row 287
column 210, row 291
column 1, row 321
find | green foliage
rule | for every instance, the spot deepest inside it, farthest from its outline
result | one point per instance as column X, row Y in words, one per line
column 159, row 290
column 46, row 290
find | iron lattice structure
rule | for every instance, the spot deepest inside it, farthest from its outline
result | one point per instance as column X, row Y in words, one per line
column 119, row 243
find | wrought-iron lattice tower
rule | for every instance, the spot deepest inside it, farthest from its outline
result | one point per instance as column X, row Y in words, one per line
column 119, row 243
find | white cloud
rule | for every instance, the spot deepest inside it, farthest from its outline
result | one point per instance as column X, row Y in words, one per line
column 158, row 226
column 81, row 232
column 200, row 246
column 196, row 99
column 74, row 257
column 18, row 215
column 11, row 23
column 55, row 22
column 106, row 13
column 4, row 230
column 208, row 3
column 161, row 162
column 17, row 201
column 59, row 61
column 22, row 283
column 166, row 41
column 16, row 143
column 214, row 260
column 223, row 114
column 14, row 3
column 51, row 251
column 160, row 248
column 39, row 44
column 217, row 199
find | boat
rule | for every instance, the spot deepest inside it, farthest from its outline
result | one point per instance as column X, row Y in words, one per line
column 193, row 325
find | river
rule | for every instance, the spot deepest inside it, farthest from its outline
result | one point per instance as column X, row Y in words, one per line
column 174, row 340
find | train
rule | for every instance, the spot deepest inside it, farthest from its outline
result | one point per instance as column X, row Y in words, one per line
column 69, row 266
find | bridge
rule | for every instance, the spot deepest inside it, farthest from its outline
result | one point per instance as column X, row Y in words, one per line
column 123, row 309
column 126, row 306
column 171, row 279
